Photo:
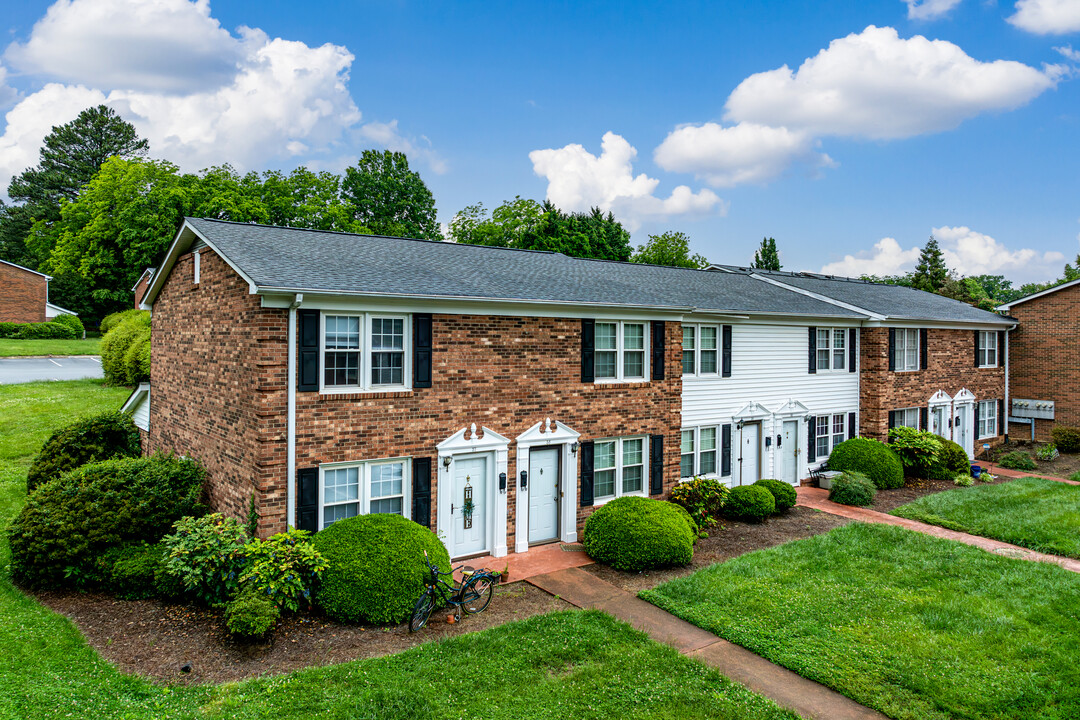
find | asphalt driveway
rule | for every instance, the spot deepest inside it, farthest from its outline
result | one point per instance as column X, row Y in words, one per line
column 30, row 369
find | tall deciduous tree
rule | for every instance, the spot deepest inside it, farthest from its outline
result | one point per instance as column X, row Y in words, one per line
column 384, row 195
column 669, row 248
column 931, row 273
column 766, row 257
column 506, row 227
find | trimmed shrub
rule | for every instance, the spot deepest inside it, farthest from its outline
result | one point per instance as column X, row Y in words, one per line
column 870, row 457
column 91, row 439
column 637, row 533
column 691, row 523
column 750, row 503
column 853, row 488
column 113, row 319
column 207, row 555
column 73, row 322
column 66, row 523
column 953, row 457
column 783, row 494
column 376, row 567
column 1067, row 439
column 121, row 363
column 283, row 568
column 1017, row 460
column 702, row 497
column 251, row 615
column 136, row 571
column 45, row 331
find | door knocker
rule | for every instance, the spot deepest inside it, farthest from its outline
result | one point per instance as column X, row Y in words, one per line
column 467, row 506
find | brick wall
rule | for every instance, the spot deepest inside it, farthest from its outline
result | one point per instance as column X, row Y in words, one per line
column 140, row 289
column 1043, row 358
column 950, row 367
column 23, row 295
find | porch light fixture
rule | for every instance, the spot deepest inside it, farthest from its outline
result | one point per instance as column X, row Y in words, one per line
column 446, row 462
column 574, row 447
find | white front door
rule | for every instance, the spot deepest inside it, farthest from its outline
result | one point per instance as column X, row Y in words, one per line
column 789, row 452
column 962, row 434
column 748, row 454
column 939, row 421
column 469, row 525
column 543, row 494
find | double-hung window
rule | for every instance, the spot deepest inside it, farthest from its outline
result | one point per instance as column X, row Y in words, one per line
column 619, row 468
column 988, row 349
column 364, row 488
column 698, row 452
column 906, row 349
column 364, row 351
column 700, row 348
column 831, row 349
column 988, row 419
column 619, row 351
column 830, row 431
column 908, row 417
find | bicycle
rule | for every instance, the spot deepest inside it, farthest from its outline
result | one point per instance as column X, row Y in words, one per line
column 472, row 596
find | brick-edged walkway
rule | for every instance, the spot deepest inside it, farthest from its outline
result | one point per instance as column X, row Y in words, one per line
column 818, row 499
column 788, row 689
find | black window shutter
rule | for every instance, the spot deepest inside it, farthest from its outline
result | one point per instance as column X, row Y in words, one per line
column 924, row 351
column 924, row 418
column 659, row 345
column 308, row 339
column 421, row 491
column 892, row 349
column 725, row 353
column 586, row 453
column 852, row 431
column 421, row 351
column 892, row 418
column 813, row 350
column 976, row 406
column 1001, row 349
column 725, row 451
column 852, row 351
column 656, row 464
column 976, row 348
column 811, row 439
column 588, row 348
column 1001, row 423
column 307, row 499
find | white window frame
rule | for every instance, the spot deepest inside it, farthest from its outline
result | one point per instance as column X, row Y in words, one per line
column 698, row 350
column 907, row 411
column 364, row 478
column 697, row 451
column 988, row 343
column 832, row 438
column 831, row 348
column 620, row 352
column 644, row 492
column 901, row 338
column 364, row 383
column 986, row 418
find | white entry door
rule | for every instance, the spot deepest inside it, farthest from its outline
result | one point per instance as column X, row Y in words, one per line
column 962, row 430
column 749, row 452
column 543, row 494
column 939, row 420
column 469, row 525
column 789, row 452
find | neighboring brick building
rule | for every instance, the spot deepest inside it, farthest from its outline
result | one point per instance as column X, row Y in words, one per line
column 141, row 285
column 24, row 294
column 1043, row 360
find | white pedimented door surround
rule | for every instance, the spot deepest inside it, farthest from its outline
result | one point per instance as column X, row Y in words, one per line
column 548, row 433
column 469, row 446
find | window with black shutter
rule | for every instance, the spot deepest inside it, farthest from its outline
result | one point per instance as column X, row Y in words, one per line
column 892, row 350
column 1001, row 349
column 588, row 351
column 656, row 464
column 924, row 348
column 725, row 358
column 659, row 345
column 978, row 348
column 307, row 499
column 811, row 439
column 585, row 451
column 924, row 422
column 853, row 353
column 725, row 451
column 422, row 350
column 307, row 338
column 421, row 491
column 813, row 350
column 852, row 431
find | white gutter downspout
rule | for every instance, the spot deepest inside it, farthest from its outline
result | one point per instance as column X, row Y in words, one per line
column 290, row 421
column 1008, row 402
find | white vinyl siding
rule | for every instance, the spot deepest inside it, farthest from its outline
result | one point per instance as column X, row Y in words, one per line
column 619, row 468
column 988, row 419
column 831, row 349
column 701, row 349
column 906, row 349
column 619, row 352
column 364, row 351
column 988, row 349
column 348, row 490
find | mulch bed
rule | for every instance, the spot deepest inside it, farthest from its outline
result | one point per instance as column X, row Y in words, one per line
column 154, row 639
column 1064, row 466
column 915, row 488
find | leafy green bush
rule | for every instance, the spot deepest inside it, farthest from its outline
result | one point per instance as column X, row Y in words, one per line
column 251, row 615
column 283, row 568
column 123, row 364
column 637, row 533
column 964, row 480
column 1067, row 439
column 112, row 320
column 207, row 555
column 749, row 503
column 783, row 494
column 853, row 488
column 73, row 322
column 44, row 331
column 918, row 450
column 136, row 571
column 702, row 497
column 953, row 458
column 1017, row 460
column 376, row 567
column 91, row 439
column 1048, row 453
column 872, row 458
column 66, row 523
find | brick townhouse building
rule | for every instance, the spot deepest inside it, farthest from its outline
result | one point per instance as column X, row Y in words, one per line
column 24, row 295
column 497, row 396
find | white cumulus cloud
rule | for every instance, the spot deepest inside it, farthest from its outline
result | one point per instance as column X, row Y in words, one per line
column 929, row 9
column 1047, row 17
column 579, row 180
column 886, row 258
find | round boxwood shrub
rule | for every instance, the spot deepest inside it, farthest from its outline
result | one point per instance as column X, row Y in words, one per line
column 73, row 322
column 1067, row 439
column 952, row 461
column 852, row 488
column 749, row 503
column 637, row 533
column 122, row 367
column 783, row 494
column 251, row 615
column 67, row 523
column 376, row 569
column 113, row 319
column 872, row 458
column 91, row 439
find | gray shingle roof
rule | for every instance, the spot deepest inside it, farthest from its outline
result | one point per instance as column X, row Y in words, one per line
column 310, row 260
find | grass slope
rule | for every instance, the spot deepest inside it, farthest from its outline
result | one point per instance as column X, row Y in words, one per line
column 564, row 665
column 915, row 626
column 22, row 348
column 1031, row 512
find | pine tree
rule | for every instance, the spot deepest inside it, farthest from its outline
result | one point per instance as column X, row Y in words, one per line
column 930, row 274
column 766, row 257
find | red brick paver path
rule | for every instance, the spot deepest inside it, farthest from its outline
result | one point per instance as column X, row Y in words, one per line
column 539, row 560
column 818, row 499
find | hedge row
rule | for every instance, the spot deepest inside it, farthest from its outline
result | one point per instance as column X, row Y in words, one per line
column 55, row 330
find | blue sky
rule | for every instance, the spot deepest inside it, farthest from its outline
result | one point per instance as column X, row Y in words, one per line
column 849, row 131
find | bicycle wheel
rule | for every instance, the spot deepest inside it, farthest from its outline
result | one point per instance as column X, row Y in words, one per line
column 476, row 594
column 422, row 611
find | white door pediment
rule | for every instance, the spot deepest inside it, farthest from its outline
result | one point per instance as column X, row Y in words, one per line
column 792, row 408
column 467, row 440
column 547, row 433
column 964, row 395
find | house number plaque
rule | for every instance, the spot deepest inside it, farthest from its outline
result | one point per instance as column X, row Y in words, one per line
column 467, row 506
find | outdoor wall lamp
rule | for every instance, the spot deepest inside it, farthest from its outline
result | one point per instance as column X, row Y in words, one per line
column 446, row 462
column 574, row 447
column 502, row 482
column 768, row 441
column 524, row 479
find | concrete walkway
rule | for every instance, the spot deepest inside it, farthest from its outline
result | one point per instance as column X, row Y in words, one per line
column 818, row 499
column 788, row 689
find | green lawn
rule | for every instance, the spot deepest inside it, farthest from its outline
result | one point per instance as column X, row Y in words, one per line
column 912, row 625
column 1031, row 512
column 559, row 666
column 21, row 348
